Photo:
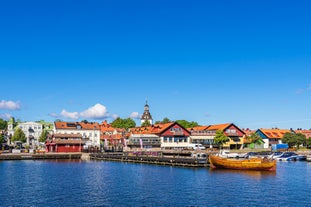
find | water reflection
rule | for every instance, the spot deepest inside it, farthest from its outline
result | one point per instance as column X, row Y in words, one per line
column 250, row 173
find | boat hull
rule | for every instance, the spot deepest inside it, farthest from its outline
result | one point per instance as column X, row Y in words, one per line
column 247, row 164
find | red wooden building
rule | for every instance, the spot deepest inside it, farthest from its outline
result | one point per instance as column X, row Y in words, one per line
column 65, row 143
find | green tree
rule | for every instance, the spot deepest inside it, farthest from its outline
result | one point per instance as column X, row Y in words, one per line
column 220, row 138
column 308, row 141
column 293, row 139
column 43, row 136
column 187, row 124
column 123, row 123
column 2, row 138
column 164, row 121
column 254, row 138
column 3, row 124
column 145, row 124
column 19, row 135
column 301, row 139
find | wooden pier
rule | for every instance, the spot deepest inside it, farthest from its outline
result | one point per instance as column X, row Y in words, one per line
column 42, row 156
column 157, row 160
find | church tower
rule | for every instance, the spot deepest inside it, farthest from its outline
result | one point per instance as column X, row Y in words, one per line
column 146, row 115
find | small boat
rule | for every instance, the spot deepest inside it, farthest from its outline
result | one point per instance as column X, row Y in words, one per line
column 291, row 156
column 245, row 164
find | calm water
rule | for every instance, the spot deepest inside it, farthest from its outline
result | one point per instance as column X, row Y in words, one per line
column 65, row 183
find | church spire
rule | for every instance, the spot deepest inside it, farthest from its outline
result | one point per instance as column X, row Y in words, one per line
column 146, row 115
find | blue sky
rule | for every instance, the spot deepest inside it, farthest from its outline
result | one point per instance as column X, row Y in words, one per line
column 246, row 62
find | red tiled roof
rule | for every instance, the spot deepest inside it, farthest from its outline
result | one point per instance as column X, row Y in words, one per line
column 67, row 136
column 198, row 128
column 274, row 133
column 73, row 125
column 305, row 132
column 154, row 129
column 219, row 126
column 112, row 136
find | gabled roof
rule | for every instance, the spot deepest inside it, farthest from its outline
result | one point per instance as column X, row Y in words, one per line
column 248, row 132
column 154, row 129
column 219, row 126
column 112, row 136
column 274, row 133
column 198, row 128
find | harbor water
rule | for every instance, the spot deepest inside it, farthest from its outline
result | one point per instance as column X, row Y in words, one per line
column 100, row 183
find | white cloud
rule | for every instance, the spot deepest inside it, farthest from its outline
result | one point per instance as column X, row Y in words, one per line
column 135, row 115
column 10, row 105
column 5, row 116
column 70, row 115
column 54, row 115
column 98, row 111
column 309, row 87
column 114, row 116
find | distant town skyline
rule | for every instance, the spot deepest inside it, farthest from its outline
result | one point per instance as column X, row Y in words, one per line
column 247, row 63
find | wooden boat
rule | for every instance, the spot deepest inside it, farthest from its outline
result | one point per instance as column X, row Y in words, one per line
column 242, row 164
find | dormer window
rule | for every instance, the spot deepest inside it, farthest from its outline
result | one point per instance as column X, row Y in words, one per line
column 78, row 127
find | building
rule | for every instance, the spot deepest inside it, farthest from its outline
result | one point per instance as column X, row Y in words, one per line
column 271, row 136
column 234, row 133
column 166, row 136
column 64, row 143
column 258, row 144
column 112, row 138
column 90, row 131
column 306, row 132
column 146, row 115
column 201, row 135
column 32, row 131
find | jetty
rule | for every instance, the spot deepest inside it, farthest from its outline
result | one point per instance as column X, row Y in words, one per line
column 157, row 158
column 41, row 156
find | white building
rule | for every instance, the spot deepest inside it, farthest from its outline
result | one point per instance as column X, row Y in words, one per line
column 32, row 130
column 90, row 131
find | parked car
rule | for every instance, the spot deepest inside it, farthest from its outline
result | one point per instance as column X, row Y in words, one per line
column 196, row 147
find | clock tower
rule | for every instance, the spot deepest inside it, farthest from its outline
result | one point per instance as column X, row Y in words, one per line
column 146, row 115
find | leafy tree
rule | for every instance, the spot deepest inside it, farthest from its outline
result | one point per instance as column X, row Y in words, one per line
column 58, row 120
column 145, row 123
column 164, row 121
column 123, row 123
column 308, row 142
column 43, row 136
column 289, row 138
column 3, row 124
column 220, row 138
column 301, row 139
column 187, row 124
column 294, row 139
column 2, row 138
column 254, row 138
column 19, row 135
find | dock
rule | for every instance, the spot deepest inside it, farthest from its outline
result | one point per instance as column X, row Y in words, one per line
column 41, row 156
column 150, row 159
